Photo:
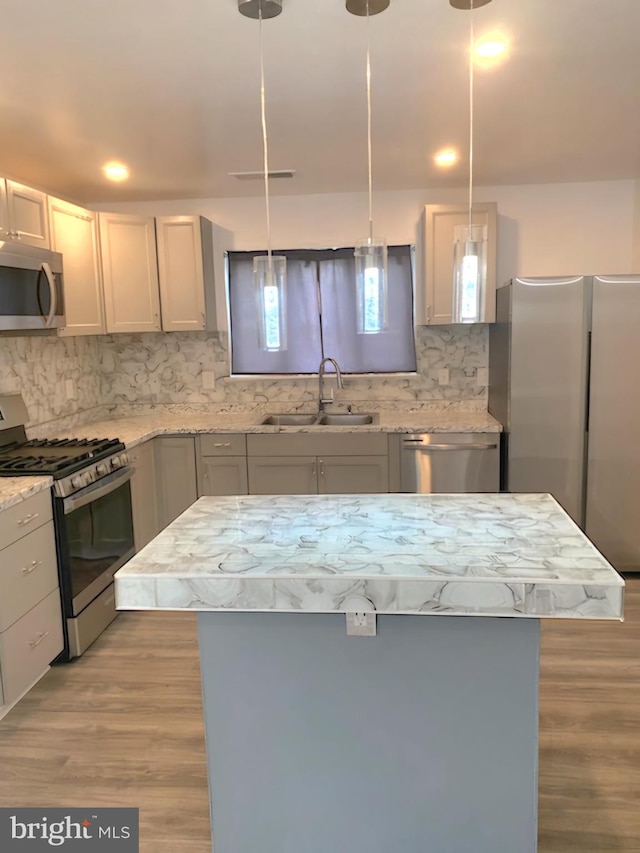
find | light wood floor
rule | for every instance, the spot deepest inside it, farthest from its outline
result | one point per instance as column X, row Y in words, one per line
column 122, row 726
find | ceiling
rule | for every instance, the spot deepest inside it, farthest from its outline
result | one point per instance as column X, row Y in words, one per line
column 172, row 89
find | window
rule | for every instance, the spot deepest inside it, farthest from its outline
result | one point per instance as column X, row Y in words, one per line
column 322, row 315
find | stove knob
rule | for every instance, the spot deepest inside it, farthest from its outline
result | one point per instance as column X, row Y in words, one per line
column 102, row 468
column 77, row 482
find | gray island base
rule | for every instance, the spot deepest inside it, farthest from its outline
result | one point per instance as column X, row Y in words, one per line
column 421, row 739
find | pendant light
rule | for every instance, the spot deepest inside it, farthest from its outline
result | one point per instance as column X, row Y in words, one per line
column 470, row 241
column 269, row 271
column 370, row 253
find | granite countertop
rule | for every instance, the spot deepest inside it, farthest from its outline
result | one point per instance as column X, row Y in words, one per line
column 139, row 428
column 479, row 555
column 142, row 426
column 16, row 489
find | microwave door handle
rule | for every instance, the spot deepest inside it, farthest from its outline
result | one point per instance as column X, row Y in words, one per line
column 97, row 490
column 53, row 292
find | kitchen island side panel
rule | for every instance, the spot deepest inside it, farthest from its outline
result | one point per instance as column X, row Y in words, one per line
column 422, row 738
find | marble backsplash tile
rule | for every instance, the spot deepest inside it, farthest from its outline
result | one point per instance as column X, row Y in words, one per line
column 168, row 369
column 38, row 367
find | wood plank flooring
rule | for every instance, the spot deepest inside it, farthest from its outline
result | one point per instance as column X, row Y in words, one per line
column 123, row 726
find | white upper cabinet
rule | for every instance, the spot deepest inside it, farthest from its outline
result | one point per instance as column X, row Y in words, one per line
column 23, row 215
column 130, row 273
column 74, row 233
column 434, row 305
column 157, row 274
column 185, row 267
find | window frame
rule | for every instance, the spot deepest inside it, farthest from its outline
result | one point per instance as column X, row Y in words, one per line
column 253, row 377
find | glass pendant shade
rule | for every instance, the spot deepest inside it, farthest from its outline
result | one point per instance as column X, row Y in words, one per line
column 469, row 273
column 371, row 286
column 270, row 279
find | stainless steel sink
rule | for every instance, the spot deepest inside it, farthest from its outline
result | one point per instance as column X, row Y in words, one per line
column 291, row 420
column 346, row 419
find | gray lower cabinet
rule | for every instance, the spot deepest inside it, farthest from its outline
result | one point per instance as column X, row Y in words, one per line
column 223, row 476
column 30, row 610
column 366, row 475
column 144, row 491
column 283, row 475
column 222, row 464
column 326, row 463
column 176, row 476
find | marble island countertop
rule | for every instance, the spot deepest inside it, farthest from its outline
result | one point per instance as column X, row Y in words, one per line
column 483, row 555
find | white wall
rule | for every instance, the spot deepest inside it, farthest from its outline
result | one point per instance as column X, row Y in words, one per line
column 546, row 229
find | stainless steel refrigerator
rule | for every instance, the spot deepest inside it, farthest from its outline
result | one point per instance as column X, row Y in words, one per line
column 564, row 380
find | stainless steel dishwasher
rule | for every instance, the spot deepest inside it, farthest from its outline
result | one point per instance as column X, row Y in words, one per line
column 448, row 463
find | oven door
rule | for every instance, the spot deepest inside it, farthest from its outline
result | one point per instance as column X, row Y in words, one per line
column 97, row 537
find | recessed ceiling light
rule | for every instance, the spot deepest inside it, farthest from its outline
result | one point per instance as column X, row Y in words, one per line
column 116, row 171
column 445, row 158
column 491, row 49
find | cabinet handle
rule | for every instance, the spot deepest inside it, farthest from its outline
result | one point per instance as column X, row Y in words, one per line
column 313, row 471
column 322, row 468
column 222, row 444
column 28, row 519
column 39, row 639
column 28, row 569
column 428, row 313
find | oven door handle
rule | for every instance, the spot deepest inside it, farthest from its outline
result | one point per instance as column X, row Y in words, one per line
column 97, row 490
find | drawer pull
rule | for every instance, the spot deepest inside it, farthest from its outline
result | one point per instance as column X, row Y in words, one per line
column 33, row 644
column 28, row 518
column 28, row 569
column 222, row 444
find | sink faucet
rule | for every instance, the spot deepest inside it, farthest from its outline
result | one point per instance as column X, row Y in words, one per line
column 322, row 400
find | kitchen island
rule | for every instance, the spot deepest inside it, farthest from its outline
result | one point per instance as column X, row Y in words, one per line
column 420, row 738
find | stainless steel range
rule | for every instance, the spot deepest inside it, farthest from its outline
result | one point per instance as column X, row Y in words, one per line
column 92, row 515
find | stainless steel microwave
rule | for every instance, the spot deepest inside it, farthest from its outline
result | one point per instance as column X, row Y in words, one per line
column 31, row 293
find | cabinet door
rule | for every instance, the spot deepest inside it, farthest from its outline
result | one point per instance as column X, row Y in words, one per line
column 130, row 273
column 27, row 213
column 176, row 476
column 356, row 475
column 223, row 475
column 74, row 233
column 181, row 273
column 4, row 213
column 144, row 494
column 282, row 475
column 435, row 307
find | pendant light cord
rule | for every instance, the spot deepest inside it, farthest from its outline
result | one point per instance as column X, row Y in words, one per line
column 471, row 49
column 369, row 126
column 265, row 146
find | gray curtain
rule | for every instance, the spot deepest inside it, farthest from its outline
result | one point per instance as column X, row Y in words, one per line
column 321, row 315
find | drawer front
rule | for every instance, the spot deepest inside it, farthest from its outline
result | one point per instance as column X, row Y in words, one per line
column 28, row 573
column 318, row 444
column 29, row 646
column 22, row 518
column 223, row 444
